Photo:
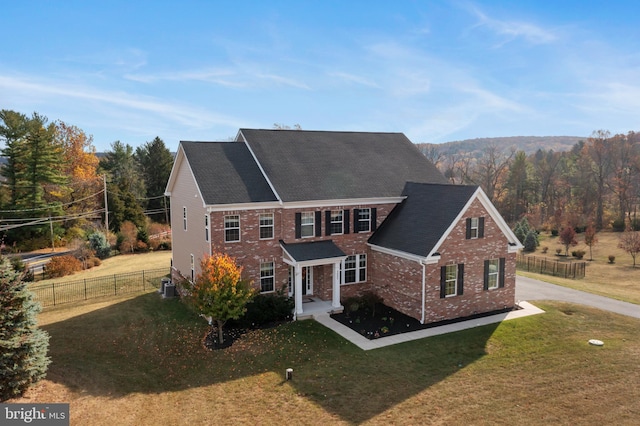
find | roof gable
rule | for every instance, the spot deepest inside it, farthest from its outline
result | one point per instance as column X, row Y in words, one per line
column 226, row 173
column 322, row 165
column 417, row 224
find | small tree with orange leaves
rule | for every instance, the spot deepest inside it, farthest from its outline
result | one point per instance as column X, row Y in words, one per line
column 219, row 293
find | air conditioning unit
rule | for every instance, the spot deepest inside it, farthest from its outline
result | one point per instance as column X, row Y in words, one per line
column 169, row 290
column 163, row 283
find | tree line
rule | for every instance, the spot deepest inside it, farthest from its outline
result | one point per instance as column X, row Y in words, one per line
column 53, row 182
column 596, row 182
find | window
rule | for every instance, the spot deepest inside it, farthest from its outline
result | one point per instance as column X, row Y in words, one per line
column 475, row 227
column 231, row 228
column 307, row 222
column 266, row 226
column 206, row 227
column 493, row 273
column 184, row 218
column 267, row 282
column 355, row 269
column 451, row 280
column 337, row 220
column 193, row 269
column 364, row 220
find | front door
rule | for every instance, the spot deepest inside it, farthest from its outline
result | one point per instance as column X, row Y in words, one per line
column 307, row 281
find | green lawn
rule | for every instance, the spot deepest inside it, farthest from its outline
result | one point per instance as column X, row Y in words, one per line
column 138, row 360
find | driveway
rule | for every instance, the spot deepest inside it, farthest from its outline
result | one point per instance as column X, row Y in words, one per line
column 529, row 289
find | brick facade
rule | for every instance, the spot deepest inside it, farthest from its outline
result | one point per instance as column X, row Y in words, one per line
column 399, row 280
column 251, row 251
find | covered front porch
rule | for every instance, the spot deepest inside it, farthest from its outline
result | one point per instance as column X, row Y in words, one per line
column 307, row 260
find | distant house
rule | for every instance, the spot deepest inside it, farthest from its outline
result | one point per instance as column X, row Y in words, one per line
column 335, row 214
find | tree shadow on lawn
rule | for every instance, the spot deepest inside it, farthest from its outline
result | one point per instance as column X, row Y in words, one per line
column 153, row 345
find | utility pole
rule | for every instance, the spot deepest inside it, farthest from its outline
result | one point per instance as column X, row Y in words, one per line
column 106, row 204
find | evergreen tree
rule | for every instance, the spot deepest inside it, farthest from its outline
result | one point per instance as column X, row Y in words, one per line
column 23, row 346
column 530, row 241
column 156, row 162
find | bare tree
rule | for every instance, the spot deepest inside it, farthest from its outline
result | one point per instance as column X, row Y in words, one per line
column 630, row 243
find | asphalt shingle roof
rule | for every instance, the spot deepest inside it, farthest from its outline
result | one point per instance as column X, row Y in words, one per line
column 416, row 225
column 324, row 165
column 313, row 250
column 226, row 173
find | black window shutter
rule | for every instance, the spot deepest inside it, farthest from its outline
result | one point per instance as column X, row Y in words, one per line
column 486, row 275
column 468, row 228
column 356, row 224
column 481, row 227
column 460, row 279
column 298, row 225
column 327, row 222
column 318, row 224
column 374, row 219
column 443, row 277
column 501, row 276
column 345, row 221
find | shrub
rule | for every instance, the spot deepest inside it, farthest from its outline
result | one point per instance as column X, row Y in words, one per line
column 578, row 253
column 618, row 225
column 371, row 299
column 266, row 309
column 61, row 266
column 99, row 244
column 141, row 246
column 554, row 232
column 544, row 249
column 635, row 224
column 612, row 259
column 558, row 251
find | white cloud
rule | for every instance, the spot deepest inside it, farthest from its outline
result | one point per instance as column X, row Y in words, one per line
column 511, row 30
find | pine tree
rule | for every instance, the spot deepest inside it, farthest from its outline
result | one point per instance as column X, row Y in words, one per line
column 23, row 346
column 531, row 241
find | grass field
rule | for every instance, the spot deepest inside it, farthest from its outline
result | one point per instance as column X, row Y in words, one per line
column 120, row 264
column 138, row 360
column 618, row 280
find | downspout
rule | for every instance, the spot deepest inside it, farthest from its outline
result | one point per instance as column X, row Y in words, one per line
column 424, row 281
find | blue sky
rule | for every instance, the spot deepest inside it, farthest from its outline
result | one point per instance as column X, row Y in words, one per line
column 435, row 70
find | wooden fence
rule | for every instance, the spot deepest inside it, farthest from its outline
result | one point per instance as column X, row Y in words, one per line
column 542, row 265
column 90, row 288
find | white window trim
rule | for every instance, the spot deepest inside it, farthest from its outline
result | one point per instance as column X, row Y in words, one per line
column 228, row 229
column 184, row 218
column 496, row 274
column 335, row 222
column 272, row 276
column 312, row 224
column 358, row 268
column 261, row 226
column 475, row 228
column 454, row 280
column 361, row 221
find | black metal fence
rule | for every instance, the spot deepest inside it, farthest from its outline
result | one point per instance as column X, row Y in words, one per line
column 542, row 265
column 90, row 288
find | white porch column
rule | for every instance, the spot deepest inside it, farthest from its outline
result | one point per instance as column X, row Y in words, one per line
column 298, row 287
column 335, row 300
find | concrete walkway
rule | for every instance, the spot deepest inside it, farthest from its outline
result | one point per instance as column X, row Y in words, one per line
column 526, row 289
column 366, row 344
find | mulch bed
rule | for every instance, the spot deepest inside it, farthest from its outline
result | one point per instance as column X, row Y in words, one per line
column 387, row 321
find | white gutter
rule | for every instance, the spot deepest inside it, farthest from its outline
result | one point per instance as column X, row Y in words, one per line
column 424, row 278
